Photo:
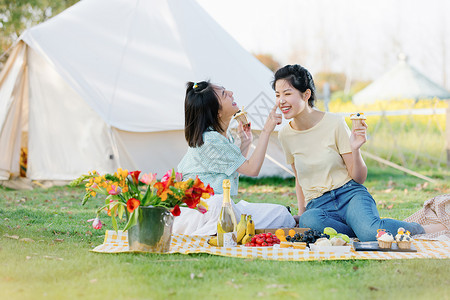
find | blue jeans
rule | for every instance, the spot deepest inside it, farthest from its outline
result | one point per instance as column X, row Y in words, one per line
column 351, row 210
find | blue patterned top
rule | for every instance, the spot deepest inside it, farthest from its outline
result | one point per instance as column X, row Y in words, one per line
column 217, row 159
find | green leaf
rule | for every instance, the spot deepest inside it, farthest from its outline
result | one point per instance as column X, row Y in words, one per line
column 114, row 221
column 146, row 199
column 86, row 197
column 121, row 211
column 134, row 217
column 103, row 207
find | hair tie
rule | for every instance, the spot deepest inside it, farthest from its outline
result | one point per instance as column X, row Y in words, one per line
column 195, row 85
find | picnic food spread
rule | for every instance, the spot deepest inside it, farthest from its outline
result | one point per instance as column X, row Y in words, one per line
column 245, row 231
column 241, row 116
column 384, row 238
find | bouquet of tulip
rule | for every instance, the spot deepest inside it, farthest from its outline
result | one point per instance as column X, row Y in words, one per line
column 130, row 191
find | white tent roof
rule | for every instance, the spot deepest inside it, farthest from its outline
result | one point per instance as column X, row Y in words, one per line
column 402, row 81
column 102, row 86
column 130, row 59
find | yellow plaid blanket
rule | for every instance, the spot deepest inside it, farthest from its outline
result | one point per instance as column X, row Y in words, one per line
column 116, row 242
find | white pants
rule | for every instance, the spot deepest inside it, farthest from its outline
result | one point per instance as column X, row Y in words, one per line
column 265, row 215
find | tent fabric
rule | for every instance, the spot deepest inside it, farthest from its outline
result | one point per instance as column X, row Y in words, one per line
column 403, row 81
column 126, row 70
column 102, row 85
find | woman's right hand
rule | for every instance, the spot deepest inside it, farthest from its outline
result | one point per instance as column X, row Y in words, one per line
column 273, row 119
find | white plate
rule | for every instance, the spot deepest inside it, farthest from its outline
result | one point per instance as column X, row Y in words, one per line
column 330, row 248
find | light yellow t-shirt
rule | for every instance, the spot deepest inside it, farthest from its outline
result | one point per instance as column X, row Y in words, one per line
column 316, row 153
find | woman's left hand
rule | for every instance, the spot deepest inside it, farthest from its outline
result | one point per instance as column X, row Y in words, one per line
column 358, row 137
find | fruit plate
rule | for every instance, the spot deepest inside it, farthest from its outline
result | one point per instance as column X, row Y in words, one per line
column 373, row 246
column 340, row 249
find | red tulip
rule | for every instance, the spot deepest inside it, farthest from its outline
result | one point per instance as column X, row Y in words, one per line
column 132, row 204
column 176, row 211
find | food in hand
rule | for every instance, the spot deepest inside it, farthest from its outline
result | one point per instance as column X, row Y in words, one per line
column 385, row 239
column 403, row 239
column 357, row 120
column 241, row 116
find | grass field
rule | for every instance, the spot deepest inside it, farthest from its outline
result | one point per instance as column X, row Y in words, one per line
column 55, row 263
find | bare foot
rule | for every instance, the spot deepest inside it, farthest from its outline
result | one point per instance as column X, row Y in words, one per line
column 432, row 228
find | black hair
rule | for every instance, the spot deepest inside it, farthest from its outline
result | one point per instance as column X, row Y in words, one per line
column 201, row 112
column 299, row 78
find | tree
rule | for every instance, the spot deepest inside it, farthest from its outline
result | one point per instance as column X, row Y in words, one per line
column 18, row 15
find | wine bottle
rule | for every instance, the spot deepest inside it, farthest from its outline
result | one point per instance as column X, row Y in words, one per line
column 226, row 225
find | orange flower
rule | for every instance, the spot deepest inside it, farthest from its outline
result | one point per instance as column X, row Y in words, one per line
column 132, row 204
column 163, row 188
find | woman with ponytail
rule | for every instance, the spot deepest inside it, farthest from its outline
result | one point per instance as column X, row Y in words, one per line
column 326, row 158
column 213, row 156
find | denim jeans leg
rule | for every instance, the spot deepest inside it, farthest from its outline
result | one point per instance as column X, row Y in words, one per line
column 321, row 213
column 363, row 217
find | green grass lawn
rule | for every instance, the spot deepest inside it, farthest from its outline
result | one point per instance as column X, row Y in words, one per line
column 57, row 264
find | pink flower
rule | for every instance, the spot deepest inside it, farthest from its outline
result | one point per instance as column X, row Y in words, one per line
column 96, row 223
column 167, row 176
column 114, row 190
column 202, row 207
column 178, row 176
column 148, row 178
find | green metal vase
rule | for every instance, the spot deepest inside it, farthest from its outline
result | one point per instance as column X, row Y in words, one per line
column 152, row 232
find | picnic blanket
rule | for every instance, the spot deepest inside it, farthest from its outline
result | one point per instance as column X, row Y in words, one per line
column 117, row 242
column 434, row 210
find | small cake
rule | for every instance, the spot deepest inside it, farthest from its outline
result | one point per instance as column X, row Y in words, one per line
column 241, row 116
column 403, row 238
column 385, row 239
column 299, row 245
column 285, row 244
column 357, row 120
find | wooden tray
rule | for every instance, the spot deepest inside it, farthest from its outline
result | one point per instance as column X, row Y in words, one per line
column 373, row 246
column 286, row 230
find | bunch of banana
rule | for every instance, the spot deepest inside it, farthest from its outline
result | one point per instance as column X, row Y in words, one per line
column 241, row 228
column 250, row 231
column 245, row 231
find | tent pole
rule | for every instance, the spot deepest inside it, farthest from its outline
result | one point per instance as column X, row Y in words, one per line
column 398, row 167
column 447, row 132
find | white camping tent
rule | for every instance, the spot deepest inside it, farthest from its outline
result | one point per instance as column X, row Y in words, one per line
column 402, row 81
column 102, row 85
